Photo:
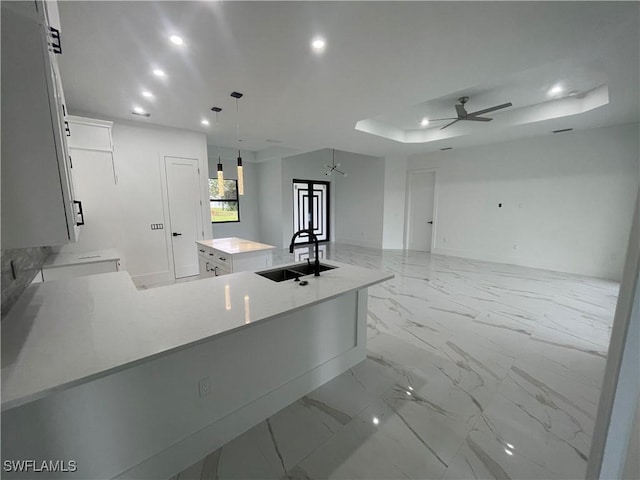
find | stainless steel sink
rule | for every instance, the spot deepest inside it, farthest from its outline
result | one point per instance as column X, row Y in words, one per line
column 292, row 271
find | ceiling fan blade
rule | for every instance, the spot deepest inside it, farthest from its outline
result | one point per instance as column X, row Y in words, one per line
column 449, row 124
column 492, row 109
column 447, row 118
column 478, row 119
column 461, row 111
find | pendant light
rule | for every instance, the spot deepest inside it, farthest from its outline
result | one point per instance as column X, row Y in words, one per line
column 237, row 96
column 334, row 166
column 220, row 179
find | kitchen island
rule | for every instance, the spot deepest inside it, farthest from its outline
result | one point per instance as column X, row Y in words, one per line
column 221, row 256
column 140, row 384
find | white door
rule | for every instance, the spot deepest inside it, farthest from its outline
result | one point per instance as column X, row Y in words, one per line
column 420, row 210
column 185, row 218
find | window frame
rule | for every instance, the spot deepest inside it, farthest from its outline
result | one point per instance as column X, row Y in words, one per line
column 229, row 200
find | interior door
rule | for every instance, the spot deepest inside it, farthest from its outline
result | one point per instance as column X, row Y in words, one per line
column 185, row 218
column 311, row 208
column 420, row 210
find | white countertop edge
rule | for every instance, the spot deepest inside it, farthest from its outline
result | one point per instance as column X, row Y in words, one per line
column 22, row 400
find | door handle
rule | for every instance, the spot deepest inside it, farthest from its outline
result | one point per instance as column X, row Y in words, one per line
column 176, row 234
column 430, row 223
column 80, row 212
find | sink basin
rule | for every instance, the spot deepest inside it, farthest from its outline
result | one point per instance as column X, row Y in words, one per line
column 280, row 274
column 292, row 271
column 306, row 269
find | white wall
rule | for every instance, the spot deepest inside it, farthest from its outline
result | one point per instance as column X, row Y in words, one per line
column 395, row 183
column 307, row 166
column 359, row 199
column 567, row 200
column 270, row 202
column 614, row 445
column 248, row 227
column 356, row 201
column 139, row 199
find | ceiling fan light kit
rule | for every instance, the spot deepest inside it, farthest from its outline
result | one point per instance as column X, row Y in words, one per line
column 462, row 113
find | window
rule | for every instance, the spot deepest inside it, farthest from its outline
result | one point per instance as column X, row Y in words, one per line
column 224, row 208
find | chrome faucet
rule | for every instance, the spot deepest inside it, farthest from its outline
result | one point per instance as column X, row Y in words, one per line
column 312, row 236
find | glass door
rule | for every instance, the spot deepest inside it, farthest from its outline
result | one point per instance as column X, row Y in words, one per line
column 311, row 209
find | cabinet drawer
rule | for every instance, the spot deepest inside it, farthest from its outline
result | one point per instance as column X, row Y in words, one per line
column 222, row 258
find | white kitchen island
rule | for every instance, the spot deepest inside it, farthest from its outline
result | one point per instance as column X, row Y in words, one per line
column 141, row 384
column 221, row 256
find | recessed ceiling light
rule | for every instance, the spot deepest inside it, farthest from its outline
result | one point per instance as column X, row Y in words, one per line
column 204, row 121
column 556, row 90
column 138, row 110
column 159, row 73
column 424, row 122
column 147, row 94
column 318, row 44
column 176, row 39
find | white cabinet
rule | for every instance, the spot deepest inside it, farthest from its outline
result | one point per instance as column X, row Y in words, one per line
column 214, row 262
column 38, row 202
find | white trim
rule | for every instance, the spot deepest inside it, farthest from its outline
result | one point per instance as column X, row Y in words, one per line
column 89, row 121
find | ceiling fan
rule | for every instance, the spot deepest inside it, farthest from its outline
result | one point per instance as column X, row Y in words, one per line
column 475, row 116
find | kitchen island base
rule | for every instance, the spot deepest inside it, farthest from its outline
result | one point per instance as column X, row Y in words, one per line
column 157, row 418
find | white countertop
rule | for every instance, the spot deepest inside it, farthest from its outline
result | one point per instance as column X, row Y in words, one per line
column 235, row 245
column 67, row 259
column 65, row 333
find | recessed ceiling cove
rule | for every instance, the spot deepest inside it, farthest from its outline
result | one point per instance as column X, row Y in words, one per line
column 542, row 94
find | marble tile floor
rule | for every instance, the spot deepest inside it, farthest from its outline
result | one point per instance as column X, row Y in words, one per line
column 474, row 370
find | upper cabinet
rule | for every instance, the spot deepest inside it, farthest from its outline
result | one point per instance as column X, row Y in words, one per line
column 39, row 207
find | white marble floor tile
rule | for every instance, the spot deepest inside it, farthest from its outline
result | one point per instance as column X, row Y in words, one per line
column 241, row 458
column 505, row 365
column 506, row 428
column 378, row 444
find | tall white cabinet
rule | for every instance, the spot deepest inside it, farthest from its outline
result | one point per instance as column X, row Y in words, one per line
column 39, row 206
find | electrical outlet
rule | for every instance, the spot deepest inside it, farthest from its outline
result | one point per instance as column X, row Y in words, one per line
column 204, row 387
column 516, row 246
column 157, row 226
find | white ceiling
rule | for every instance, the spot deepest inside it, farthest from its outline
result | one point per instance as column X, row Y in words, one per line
column 384, row 61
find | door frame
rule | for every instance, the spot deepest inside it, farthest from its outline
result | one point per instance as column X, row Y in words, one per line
column 407, row 203
column 165, row 206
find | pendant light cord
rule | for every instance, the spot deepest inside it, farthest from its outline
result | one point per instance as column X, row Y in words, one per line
column 238, row 125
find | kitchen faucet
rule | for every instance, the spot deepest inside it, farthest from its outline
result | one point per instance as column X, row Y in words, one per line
column 312, row 236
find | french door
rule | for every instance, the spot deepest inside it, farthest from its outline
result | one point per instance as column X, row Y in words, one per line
column 311, row 209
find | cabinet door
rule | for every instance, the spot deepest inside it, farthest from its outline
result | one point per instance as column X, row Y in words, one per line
column 36, row 197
